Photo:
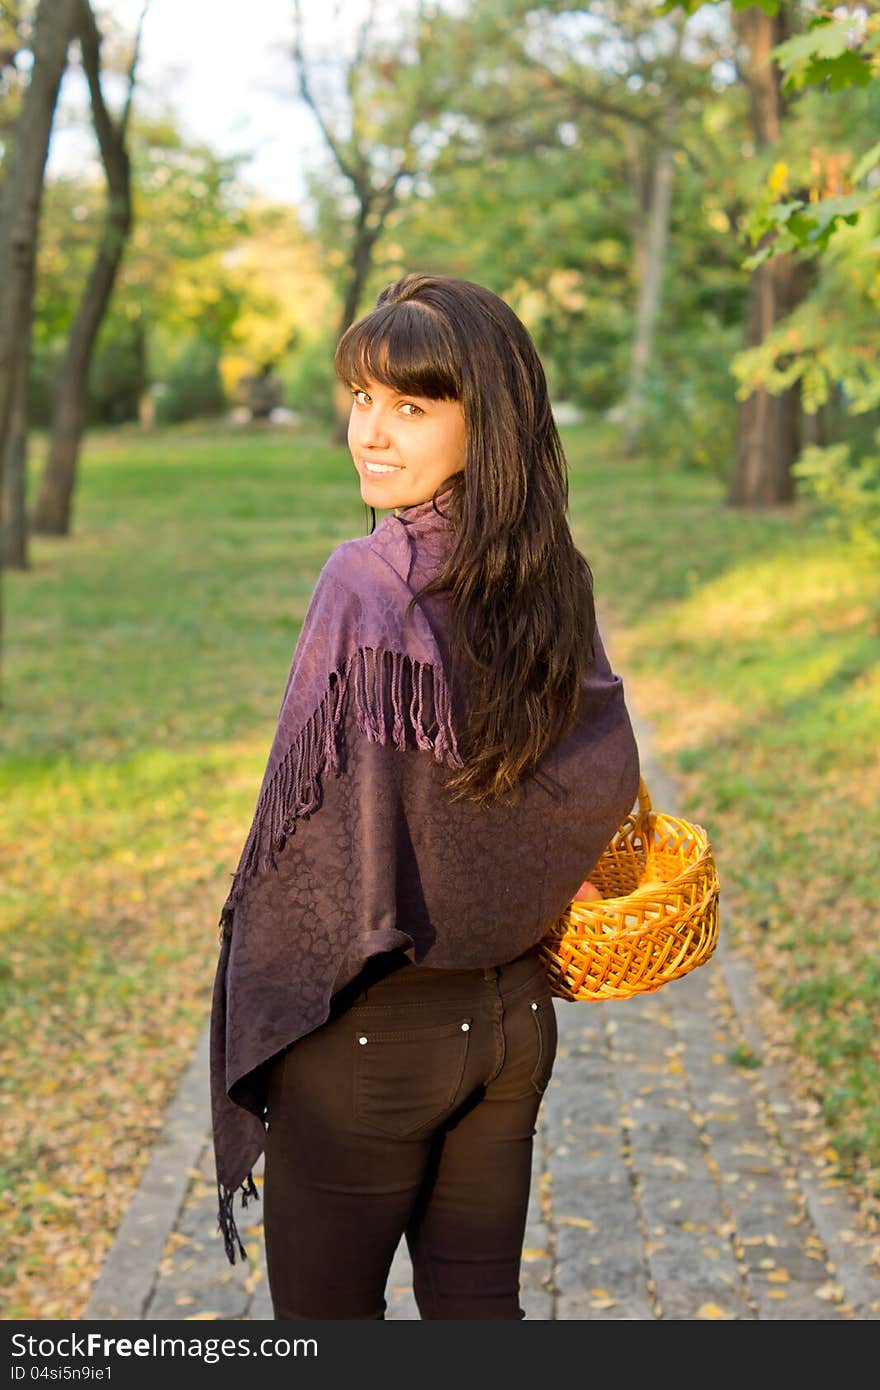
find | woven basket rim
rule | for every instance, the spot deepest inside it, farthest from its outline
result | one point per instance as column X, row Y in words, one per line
column 590, row 930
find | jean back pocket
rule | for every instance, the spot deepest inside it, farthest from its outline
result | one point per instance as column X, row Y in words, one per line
column 408, row 1078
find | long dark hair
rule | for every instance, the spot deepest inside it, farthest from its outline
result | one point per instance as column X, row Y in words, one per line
column 521, row 592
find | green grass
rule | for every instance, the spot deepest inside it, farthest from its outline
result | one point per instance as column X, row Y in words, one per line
column 144, row 661
column 145, row 658
column 751, row 641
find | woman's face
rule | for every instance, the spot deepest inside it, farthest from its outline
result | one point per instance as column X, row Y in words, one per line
column 421, row 442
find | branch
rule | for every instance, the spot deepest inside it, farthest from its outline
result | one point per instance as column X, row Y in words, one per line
column 105, row 130
column 111, row 136
column 306, row 94
column 604, row 107
column 132, row 70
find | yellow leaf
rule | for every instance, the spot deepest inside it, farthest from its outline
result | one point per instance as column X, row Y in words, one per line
column 832, row 1293
column 778, row 176
column 667, row 1161
column 710, row 1310
column 779, row 1276
column 599, row 1293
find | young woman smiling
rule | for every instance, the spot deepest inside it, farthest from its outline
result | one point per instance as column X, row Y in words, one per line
column 452, row 755
column 404, row 447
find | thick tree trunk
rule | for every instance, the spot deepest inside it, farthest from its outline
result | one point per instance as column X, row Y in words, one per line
column 21, row 197
column 653, row 261
column 22, row 190
column 52, row 510
column 768, row 427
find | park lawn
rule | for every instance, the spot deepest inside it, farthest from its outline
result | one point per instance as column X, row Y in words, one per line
column 751, row 643
column 143, row 666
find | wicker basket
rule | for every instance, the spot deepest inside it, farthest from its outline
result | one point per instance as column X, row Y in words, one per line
column 657, row 918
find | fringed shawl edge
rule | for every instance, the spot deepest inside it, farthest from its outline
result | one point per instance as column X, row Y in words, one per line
column 294, row 790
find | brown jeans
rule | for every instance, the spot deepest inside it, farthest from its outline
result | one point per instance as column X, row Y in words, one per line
column 410, row 1111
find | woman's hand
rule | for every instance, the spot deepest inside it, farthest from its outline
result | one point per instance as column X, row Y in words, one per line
column 587, row 892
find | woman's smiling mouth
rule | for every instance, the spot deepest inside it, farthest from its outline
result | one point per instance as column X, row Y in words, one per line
column 378, row 469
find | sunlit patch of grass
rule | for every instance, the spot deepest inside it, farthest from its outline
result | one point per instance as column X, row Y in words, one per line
column 751, row 642
column 144, row 660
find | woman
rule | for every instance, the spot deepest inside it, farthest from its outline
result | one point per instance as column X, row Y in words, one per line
column 452, row 755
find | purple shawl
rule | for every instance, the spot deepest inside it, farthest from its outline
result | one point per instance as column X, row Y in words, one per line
column 355, row 847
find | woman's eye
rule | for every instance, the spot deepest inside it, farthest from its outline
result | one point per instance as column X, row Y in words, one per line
column 358, row 391
column 409, row 405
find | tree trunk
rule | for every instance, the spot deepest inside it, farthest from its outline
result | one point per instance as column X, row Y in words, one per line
column 22, row 190
column 52, row 510
column 21, row 197
column 650, row 286
column 361, row 257
column 768, row 427
column 13, row 506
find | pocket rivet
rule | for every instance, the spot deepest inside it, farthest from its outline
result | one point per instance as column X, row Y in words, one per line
column 362, row 1041
column 465, row 1027
column 534, row 1006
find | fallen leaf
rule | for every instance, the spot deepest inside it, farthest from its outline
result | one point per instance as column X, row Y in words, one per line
column 831, row 1293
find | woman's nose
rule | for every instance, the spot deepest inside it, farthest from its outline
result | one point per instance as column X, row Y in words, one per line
column 374, row 430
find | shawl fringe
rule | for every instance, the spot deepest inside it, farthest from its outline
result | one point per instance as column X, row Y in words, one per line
column 225, row 1218
column 294, row 790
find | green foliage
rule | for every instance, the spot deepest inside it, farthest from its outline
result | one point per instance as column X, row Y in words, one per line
column 847, row 491
column 116, row 375
column 116, row 378
column 310, row 380
column 834, row 54
column 825, row 54
column 193, row 387
column 799, row 225
column 172, row 283
column 829, row 343
column 690, row 411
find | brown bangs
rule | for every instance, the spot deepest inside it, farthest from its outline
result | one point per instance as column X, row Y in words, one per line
column 404, row 346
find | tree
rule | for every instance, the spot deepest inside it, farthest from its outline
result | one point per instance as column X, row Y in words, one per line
column 648, row 119
column 534, row 80
column 20, row 199
column 396, row 91
column 52, row 509
column 814, row 223
column 768, row 434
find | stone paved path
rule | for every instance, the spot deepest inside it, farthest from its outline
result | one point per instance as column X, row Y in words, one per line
column 670, row 1181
